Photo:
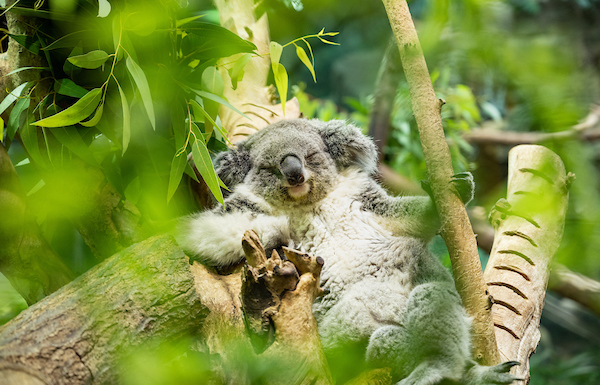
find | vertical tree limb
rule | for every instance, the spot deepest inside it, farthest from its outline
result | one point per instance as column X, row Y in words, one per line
column 456, row 228
column 528, row 230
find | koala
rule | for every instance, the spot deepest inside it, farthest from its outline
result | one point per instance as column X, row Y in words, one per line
column 389, row 302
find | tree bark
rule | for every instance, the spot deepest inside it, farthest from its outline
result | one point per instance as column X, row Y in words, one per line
column 528, row 230
column 146, row 294
column 26, row 259
column 456, row 228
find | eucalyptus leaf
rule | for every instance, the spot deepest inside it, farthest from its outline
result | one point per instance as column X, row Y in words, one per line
column 199, row 110
column 67, row 41
column 142, row 84
column 206, row 40
column 71, row 139
column 205, row 167
column 25, row 69
column 212, row 81
column 90, row 60
column 219, row 100
column 31, row 43
column 236, row 73
column 304, row 59
column 177, row 169
column 14, row 119
column 1, row 130
column 126, row 119
column 97, row 116
column 281, row 81
column 12, row 96
column 69, row 88
column 83, row 108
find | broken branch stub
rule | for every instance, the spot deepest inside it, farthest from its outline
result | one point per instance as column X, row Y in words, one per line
column 528, row 229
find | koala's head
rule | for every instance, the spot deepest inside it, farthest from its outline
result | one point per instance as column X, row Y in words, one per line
column 296, row 162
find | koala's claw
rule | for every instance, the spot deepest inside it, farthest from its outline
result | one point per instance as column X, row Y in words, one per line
column 506, row 366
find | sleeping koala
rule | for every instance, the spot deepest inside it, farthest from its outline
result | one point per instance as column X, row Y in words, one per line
column 309, row 184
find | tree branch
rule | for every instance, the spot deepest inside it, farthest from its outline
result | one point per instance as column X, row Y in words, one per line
column 456, row 228
column 528, row 230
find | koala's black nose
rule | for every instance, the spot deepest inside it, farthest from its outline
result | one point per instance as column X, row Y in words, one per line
column 292, row 170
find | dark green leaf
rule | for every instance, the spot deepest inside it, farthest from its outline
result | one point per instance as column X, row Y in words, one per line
column 126, row 119
column 29, row 138
column 142, row 84
column 69, row 88
column 199, row 110
column 24, row 69
column 177, row 169
column 212, row 81
column 69, row 68
column 70, row 138
column 206, row 40
column 83, row 108
column 205, row 167
column 31, row 43
column 218, row 99
column 67, row 41
column 97, row 116
column 14, row 120
column 90, row 60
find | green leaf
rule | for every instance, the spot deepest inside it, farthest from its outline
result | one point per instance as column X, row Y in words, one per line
column 69, row 88
column 67, row 41
column 236, row 73
column 281, row 81
column 31, row 43
column 141, row 23
column 1, row 130
column 97, row 116
column 210, row 41
column 90, row 60
column 275, row 50
column 219, row 100
column 69, row 69
column 205, row 167
column 142, row 84
column 36, row 188
column 199, row 110
column 29, row 137
column 133, row 191
column 177, row 169
column 327, row 41
column 126, row 119
column 103, row 8
column 304, row 59
column 82, row 108
column 14, row 119
column 71, row 139
column 212, row 81
column 181, row 22
column 24, row 69
column 12, row 96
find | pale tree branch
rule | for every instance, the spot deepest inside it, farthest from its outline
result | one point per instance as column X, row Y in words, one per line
column 456, row 228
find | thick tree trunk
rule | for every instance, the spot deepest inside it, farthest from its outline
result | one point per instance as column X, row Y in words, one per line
column 78, row 334
column 456, row 228
column 529, row 226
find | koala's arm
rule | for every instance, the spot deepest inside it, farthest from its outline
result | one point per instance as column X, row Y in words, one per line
column 215, row 237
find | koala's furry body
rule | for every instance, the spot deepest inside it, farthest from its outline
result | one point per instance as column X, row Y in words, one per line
column 309, row 184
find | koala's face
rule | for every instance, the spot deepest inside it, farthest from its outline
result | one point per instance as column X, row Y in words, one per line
column 296, row 162
column 290, row 165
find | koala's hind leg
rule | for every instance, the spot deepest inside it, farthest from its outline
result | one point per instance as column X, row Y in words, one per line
column 432, row 344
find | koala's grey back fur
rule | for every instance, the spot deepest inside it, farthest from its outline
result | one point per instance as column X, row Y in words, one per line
column 383, row 288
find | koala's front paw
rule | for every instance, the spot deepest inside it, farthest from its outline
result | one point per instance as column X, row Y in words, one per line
column 490, row 375
column 464, row 186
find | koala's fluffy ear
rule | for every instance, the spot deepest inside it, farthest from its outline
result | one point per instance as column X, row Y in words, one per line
column 232, row 166
column 348, row 146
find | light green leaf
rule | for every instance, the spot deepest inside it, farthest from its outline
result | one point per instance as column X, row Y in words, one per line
column 142, row 84
column 212, row 81
column 327, row 41
column 177, row 169
column 14, row 119
column 12, row 96
column 218, row 99
column 181, row 22
column 126, row 119
column 36, row 188
column 90, row 60
column 82, row 108
column 275, row 50
column 281, row 81
column 133, row 191
column 199, row 110
column 141, row 23
column 97, row 116
column 69, row 88
column 103, row 8
column 1, row 130
column 304, row 59
column 236, row 73
column 71, row 139
column 205, row 167
column 24, row 69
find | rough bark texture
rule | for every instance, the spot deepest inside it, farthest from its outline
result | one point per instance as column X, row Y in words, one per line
column 528, row 230
column 26, row 259
column 251, row 96
column 145, row 294
column 456, row 228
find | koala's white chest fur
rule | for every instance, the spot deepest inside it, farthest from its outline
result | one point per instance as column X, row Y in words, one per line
column 365, row 264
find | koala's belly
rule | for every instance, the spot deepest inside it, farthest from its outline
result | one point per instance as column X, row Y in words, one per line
column 367, row 272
